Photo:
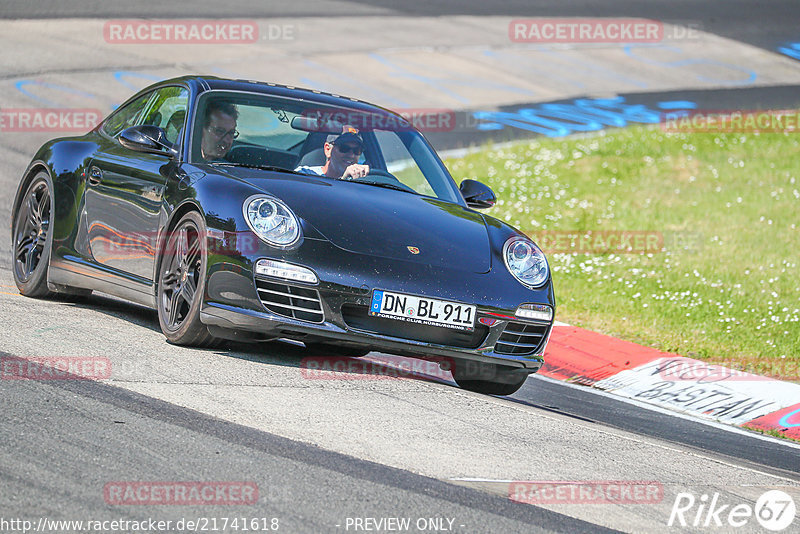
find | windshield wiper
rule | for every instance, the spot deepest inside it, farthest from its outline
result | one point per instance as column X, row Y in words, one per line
column 405, row 189
column 255, row 166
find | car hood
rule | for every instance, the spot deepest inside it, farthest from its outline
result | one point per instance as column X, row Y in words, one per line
column 376, row 221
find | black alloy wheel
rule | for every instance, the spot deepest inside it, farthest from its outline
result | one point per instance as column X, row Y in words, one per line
column 181, row 283
column 33, row 239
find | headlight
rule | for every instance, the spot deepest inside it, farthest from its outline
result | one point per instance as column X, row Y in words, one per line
column 525, row 261
column 272, row 220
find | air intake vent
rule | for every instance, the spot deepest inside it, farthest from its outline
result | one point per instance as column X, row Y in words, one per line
column 521, row 338
column 297, row 302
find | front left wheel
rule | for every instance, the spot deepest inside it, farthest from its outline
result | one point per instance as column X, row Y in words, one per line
column 181, row 283
column 33, row 238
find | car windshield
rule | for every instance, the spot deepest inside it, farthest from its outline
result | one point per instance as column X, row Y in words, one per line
column 251, row 130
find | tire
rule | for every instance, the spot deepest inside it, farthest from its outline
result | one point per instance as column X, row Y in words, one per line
column 32, row 238
column 182, row 282
column 336, row 350
column 487, row 378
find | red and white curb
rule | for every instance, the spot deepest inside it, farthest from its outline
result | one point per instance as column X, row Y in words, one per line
column 672, row 381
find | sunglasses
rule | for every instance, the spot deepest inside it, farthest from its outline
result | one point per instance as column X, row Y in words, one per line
column 349, row 149
column 221, row 132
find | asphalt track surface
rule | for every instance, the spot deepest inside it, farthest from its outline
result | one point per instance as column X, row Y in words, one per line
column 322, row 452
column 609, row 411
column 81, row 434
column 764, row 24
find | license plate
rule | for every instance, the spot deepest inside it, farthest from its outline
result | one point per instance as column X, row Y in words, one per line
column 422, row 310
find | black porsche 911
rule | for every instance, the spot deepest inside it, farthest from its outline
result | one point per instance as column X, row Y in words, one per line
column 253, row 211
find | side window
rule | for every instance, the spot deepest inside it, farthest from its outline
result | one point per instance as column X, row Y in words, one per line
column 401, row 163
column 168, row 111
column 126, row 116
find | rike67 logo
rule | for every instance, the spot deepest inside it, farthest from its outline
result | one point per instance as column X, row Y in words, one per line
column 774, row 511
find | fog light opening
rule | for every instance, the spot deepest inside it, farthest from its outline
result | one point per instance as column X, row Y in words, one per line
column 539, row 312
column 286, row 271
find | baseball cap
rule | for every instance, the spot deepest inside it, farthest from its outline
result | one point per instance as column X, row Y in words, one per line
column 349, row 134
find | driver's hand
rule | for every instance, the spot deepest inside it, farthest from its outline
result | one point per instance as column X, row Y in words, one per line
column 355, row 171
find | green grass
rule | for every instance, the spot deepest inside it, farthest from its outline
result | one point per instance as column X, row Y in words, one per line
column 771, row 432
column 731, row 295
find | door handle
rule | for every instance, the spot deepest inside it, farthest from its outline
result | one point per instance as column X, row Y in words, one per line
column 95, row 176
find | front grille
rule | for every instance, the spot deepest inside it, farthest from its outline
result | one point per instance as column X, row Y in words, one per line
column 521, row 338
column 358, row 317
column 297, row 302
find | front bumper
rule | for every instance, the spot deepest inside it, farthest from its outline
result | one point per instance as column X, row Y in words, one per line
column 234, row 304
column 233, row 301
column 273, row 326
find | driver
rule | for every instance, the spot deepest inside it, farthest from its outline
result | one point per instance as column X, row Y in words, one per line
column 219, row 130
column 341, row 157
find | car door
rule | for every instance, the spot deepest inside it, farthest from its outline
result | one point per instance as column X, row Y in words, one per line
column 124, row 192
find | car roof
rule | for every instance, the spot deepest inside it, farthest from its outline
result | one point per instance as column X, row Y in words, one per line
column 214, row 83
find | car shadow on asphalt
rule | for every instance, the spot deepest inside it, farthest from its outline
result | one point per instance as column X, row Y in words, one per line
column 112, row 307
column 145, row 317
column 284, row 353
column 319, row 364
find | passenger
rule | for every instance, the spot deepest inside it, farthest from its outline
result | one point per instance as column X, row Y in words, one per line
column 219, row 131
column 341, row 157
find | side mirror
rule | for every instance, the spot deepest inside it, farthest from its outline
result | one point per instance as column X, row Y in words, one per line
column 148, row 139
column 477, row 195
